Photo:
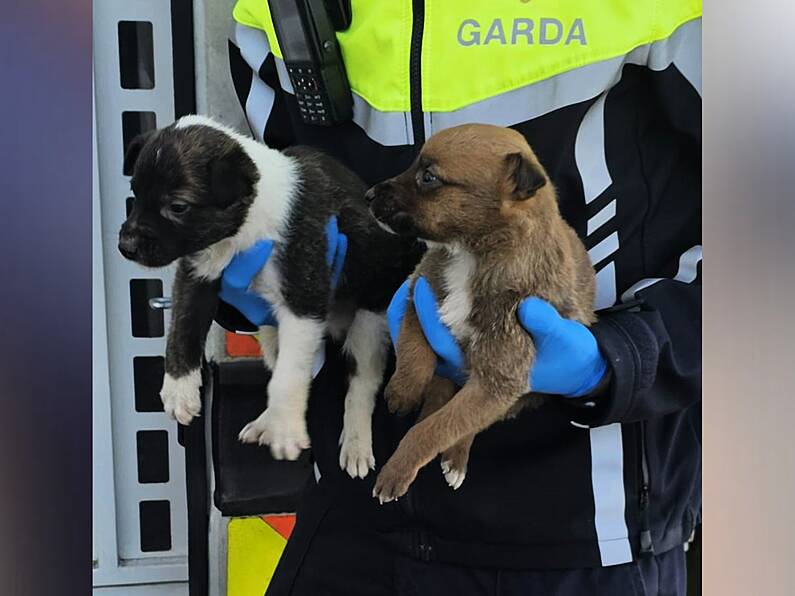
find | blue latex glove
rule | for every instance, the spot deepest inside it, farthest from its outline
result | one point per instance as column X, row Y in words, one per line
column 567, row 362
column 449, row 361
column 244, row 266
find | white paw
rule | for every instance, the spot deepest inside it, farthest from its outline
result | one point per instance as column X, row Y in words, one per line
column 356, row 454
column 453, row 476
column 283, row 431
column 181, row 396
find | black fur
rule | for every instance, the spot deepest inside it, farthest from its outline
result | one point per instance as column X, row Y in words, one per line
column 194, row 303
column 196, row 168
column 134, row 150
column 376, row 263
column 210, row 177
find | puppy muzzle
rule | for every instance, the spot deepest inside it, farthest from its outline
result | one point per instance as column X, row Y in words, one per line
column 142, row 249
column 388, row 212
column 128, row 246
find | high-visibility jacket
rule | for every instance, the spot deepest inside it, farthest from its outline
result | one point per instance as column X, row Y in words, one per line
column 609, row 96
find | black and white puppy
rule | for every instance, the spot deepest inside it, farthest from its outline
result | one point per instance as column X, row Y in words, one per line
column 204, row 193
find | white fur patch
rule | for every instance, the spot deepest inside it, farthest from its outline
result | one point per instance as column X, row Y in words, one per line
column 181, row 397
column 283, row 424
column 432, row 243
column 268, row 284
column 457, row 304
column 267, row 217
column 269, row 345
column 366, row 343
column 453, row 476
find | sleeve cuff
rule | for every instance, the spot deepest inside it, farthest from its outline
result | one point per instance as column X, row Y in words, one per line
column 630, row 348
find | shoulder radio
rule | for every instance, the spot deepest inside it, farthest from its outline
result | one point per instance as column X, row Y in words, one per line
column 306, row 33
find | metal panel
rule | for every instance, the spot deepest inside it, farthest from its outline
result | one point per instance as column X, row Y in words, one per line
column 177, row 589
column 120, row 559
column 103, row 506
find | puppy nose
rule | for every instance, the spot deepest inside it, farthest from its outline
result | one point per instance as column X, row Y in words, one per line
column 128, row 245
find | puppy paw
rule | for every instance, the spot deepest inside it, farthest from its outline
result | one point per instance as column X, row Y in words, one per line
column 394, row 480
column 453, row 474
column 181, row 396
column 402, row 396
column 284, row 431
column 356, row 454
column 454, row 462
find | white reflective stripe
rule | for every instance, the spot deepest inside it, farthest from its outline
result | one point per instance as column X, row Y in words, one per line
column 253, row 44
column 589, row 151
column 605, row 214
column 254, row 48
column 284, row 78
column 427, row 123
column 607, row 478
column 688, row 265
column 532, row 101
column 604, row 249
column 682, row 47
column 386, row 128
column 320, row 360
column 316, row 470
column 683, row 50
column 259, row 104
column 605, row 286
column 607, row 452
column 687, row 272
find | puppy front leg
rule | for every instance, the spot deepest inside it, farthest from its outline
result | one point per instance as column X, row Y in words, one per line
column 269, row 345
column 366, row 346
column 453, row 460
column 438, row 392
column 414, row 368
column 193, row 306
column 283, row 424
column 471, row 410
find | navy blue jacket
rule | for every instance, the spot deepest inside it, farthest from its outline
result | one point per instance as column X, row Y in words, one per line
column 583, row 482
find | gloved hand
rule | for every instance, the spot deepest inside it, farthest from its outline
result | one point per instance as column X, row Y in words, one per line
column 244, row 267
column 567, row 361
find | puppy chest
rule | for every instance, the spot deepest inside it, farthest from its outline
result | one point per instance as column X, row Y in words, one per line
column 456, row 305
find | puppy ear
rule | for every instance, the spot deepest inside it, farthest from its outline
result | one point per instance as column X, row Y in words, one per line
column 230, row 177
column 525, row 177
column 134, row 150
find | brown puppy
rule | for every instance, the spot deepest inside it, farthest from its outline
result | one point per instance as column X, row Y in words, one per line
column 478, row 195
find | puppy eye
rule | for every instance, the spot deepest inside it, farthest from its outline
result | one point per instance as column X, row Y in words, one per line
column 428, row 177
column 178, row 207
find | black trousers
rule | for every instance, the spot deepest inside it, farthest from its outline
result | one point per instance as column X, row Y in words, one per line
column 332, row 552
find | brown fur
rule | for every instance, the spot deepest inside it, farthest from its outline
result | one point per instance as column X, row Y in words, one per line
column 492, row 213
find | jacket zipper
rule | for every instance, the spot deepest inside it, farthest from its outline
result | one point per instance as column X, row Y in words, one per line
column 420, row 544
column 422, row 550
column 646, row 544
column 415, row 71
column 425, row 550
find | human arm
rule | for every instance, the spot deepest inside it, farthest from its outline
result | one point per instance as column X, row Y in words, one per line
column 630, row 365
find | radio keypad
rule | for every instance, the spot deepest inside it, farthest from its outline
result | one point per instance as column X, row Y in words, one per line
column 307, row 86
